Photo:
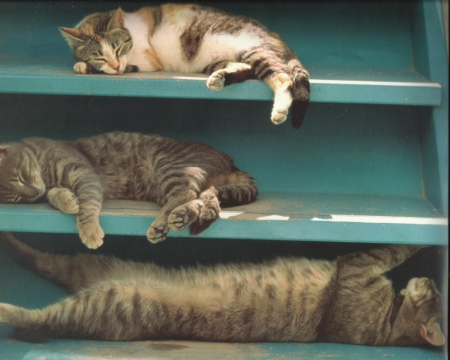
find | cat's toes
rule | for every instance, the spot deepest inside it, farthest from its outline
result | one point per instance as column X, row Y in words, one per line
column 81, row 68
column 179, row 218
column 184, row 215
column 216, row 81
column 279, row 117
column 157, row 232
column 91, row 234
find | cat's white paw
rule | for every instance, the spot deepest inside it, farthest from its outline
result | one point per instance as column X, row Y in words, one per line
column 91, row 234
column 81, row 68
column 279, row 117
column 64, row 200
column 184, row 215
column 157, row 231
column 216, row 80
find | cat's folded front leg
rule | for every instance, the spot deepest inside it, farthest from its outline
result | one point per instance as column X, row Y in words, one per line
column 63, row 199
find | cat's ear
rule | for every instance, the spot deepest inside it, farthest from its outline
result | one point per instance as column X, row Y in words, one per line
column 433, row 334
column 73, row 36
column 116, row 19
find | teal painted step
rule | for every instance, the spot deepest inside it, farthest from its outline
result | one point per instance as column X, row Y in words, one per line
column 341, row 85
column 275, row 216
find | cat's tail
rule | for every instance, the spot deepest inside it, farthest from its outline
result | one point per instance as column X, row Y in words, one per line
column 69, row 272
column 240, row 189
column 300, row 92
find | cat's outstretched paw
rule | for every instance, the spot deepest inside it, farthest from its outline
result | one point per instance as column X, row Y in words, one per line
column 184, row 215
column 157, row 232
column 91, row 234
column 63, row 199
column 216, row 80
column 81, row 68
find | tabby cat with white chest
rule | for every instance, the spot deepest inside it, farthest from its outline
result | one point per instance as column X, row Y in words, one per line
column 289, row 299
column 190, row 180
column 193, row 39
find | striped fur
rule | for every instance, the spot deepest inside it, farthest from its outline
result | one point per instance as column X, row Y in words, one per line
column 347, row 300
column 189, row 180
column 193, row 39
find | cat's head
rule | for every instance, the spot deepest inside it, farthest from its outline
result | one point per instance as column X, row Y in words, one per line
column 418, row 320
column 101, row 41
column 20, row 175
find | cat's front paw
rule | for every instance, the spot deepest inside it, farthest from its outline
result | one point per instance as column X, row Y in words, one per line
column 64, row 200
column 91, row 234
column 157, row 231
column 81, row 68
column 216, row 80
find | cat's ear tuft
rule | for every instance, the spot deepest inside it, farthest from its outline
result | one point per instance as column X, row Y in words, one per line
column 433, row 334
column 71, row 35
column 116, row 19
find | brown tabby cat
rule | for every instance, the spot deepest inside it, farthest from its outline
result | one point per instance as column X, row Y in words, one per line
column 188, row 179
column 347, row 300
column 192, row 39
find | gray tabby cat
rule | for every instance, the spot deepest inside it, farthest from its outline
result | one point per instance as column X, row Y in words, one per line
column 192, row 39
column 188, row 179
column 347, row 300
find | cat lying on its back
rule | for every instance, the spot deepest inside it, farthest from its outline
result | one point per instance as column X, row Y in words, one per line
column 346, row 301
column 193, row 39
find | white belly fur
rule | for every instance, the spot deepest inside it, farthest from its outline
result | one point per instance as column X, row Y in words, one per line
column 166, row 44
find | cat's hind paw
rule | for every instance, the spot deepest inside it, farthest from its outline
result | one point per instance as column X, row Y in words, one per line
column 81, row 68
column 157, row 232
column 216, row 81
column 91, row 234
column 63, row 199
column 184, row 215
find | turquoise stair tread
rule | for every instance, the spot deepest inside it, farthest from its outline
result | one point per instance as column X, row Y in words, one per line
column 275, row 216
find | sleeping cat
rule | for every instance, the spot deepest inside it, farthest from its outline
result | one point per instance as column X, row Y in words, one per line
column 192, row 39
column 188, row 179
column 347, row 300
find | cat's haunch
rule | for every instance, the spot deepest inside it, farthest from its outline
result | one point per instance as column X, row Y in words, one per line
column 193, row 39
column 288, row 299
column 189, row 180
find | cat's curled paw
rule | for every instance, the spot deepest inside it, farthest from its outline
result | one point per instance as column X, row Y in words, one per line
column 91, row 234
column 81, row 68
column 157, row 232
column 63, row 199
column 216, row 81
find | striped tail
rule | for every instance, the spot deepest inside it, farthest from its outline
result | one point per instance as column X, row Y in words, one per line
column 241, row 189
column 300, row 92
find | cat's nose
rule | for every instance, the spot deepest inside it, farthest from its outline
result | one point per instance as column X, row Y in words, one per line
column 116, row 67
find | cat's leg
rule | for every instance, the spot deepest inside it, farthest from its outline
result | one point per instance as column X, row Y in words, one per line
column 226, row 72
column 86, row 185
column 104, row 312
column 71, row 272
column 160, row 227
column 198, row 213
column 63, row 199
column 379, row 260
